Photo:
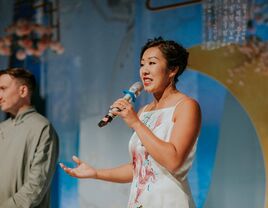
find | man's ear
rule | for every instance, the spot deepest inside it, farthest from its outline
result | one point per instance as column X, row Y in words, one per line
column 24, row 91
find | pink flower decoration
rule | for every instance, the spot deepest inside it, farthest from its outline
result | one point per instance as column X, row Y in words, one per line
column 23, row 31
column 37, row 52
column 57, row 47
column 40, row 30
column 25, row 43
column 20, row 55
column 42, row 45
column 11, row 29
column 60, row 50
column 48, row 30
column 5, row 51
column 7, row 40
column 30, row 51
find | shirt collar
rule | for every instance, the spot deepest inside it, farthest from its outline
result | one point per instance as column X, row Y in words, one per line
column 19, row 118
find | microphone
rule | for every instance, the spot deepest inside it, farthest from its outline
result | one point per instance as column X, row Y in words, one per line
column 130, row 95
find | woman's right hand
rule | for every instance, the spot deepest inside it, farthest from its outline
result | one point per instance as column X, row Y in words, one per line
column 82, row 170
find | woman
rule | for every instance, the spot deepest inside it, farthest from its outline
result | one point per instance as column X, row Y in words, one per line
column 165, row 134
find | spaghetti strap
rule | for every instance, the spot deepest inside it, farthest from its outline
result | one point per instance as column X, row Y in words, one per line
column 180, row 101
column 143, row 109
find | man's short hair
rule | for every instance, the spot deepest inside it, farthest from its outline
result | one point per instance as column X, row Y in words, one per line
column 22, row 75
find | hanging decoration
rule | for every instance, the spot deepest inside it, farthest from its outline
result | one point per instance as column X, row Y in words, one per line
column 27, row 38
column 254, row 48
column 235, row 24
column 224, row 22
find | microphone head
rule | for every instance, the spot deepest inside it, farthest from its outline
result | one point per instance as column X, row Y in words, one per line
column 136, row 88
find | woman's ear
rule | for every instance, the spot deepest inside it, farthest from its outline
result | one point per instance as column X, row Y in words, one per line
column 173, row 71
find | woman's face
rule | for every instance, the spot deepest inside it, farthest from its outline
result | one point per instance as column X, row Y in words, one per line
column 154, row 72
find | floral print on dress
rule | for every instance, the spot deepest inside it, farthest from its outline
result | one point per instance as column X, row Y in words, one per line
column 152, row 123
column 143, row 172
column 158, row 121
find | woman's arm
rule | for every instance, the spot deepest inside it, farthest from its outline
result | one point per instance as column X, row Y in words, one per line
column 121, row 174
column 171, row 154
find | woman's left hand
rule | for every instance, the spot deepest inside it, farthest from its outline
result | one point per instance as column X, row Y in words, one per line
column 126, row 111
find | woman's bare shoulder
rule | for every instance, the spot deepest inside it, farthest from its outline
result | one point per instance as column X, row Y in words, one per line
column 187, row 106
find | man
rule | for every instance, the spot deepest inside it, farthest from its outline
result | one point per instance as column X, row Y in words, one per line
column 28, row 145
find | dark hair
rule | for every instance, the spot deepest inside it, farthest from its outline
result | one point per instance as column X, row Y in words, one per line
column 175, row 54
column 23, row 75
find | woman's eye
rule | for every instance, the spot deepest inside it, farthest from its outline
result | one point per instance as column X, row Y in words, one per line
column 151, row 63
column 141, row 65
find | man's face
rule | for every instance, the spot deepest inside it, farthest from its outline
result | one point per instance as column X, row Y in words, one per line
column 10, row 95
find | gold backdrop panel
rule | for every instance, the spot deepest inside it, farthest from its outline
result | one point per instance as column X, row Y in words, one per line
column 242, row 76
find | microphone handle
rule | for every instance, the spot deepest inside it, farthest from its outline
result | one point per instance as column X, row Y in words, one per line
column 110, row 116
column 105, row 121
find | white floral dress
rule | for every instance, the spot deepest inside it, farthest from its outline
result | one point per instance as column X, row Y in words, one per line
column 153, row 185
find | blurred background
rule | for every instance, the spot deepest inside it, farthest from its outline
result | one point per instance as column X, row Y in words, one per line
column 84, row 53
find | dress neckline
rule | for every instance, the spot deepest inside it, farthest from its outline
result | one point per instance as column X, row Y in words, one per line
column 166, row 108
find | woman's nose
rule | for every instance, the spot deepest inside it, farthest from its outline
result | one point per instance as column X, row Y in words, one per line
column 144, row 70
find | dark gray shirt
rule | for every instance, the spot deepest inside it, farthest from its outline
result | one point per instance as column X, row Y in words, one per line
column 28, row 156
